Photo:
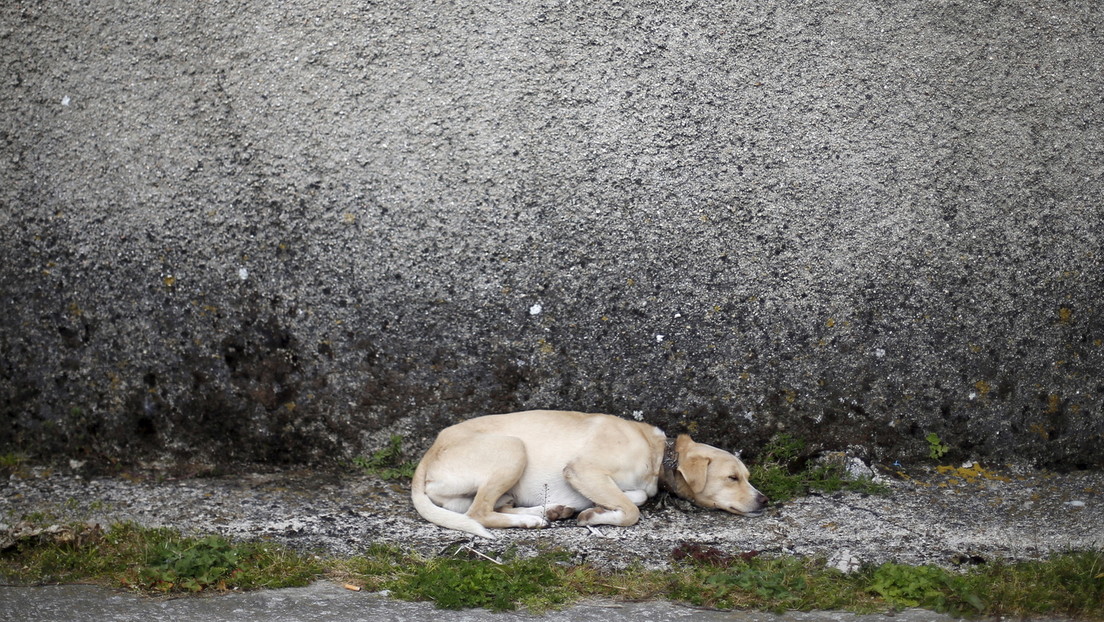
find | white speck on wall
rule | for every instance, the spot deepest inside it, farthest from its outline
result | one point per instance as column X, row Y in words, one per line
column 535, row 309
column 659, row 338
column 880, row 353
column 638, row 415
column 243, row 273
column 65, row 101
column 972, row 396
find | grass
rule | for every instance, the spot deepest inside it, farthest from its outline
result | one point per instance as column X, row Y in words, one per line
column 151, row 560
column 163, row 561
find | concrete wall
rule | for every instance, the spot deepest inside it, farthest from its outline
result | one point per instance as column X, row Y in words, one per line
column 283, row 231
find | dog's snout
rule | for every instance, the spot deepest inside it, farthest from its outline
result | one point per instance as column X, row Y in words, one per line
column 762, row 500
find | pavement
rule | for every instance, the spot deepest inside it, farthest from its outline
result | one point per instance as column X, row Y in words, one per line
column 327, row 601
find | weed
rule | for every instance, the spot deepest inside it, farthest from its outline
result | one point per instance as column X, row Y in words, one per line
column 193, row 567
column 152, row 560
column 929, row 587
column 936, row 448
column 773, row 584
column 41, row 517
column 779, row 474
column 387, row 463
column 197, row 564
column 461, row 583
column 378, row 566
column 777, row 588
column 12, row 464
column 1070, row 585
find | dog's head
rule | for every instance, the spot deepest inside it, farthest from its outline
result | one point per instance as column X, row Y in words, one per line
column 716, row 479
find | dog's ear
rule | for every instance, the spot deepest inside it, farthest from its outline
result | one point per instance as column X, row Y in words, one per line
column 695, row 470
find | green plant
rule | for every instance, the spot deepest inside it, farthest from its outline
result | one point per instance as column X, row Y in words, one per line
column 1070, row 585
column 764, row 584
column 781, row 473
column 12, row 464
column 152, row 559
column 929, row 587
column 190, row 565
column 936, row 448
column 387, row 463
column 776, row 584
column 462, row 583
column 196, row 564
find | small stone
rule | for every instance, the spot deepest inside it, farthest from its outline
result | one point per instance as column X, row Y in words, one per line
column 844, row 561
column 857, row 469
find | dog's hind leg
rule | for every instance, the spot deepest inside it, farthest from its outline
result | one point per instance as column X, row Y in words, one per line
column 502, row 462
column 612, row 506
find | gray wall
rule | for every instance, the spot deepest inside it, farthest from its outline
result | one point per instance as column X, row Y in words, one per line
column 283, row 231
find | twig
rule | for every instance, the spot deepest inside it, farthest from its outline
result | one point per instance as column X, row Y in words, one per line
column 490, row 559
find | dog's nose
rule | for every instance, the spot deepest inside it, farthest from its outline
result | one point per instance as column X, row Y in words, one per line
column 762, row 500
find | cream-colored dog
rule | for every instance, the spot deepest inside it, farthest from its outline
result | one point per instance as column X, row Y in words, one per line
column 526, row 469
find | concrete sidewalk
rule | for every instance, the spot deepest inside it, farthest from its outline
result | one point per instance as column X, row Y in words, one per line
column 325, row 601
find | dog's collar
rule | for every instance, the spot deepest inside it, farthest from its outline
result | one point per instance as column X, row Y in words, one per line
column 669, row 477
column 670, row 456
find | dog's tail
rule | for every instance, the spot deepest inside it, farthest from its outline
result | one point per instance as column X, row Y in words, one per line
column 439, row 515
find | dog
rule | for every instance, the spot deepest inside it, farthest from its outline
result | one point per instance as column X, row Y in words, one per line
column 529, row 468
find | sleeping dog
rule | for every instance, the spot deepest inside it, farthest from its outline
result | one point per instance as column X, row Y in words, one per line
column 526, row 469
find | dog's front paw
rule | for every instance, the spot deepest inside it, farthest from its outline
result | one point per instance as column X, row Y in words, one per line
column 558, row 512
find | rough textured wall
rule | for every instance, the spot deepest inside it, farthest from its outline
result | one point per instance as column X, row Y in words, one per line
column 282, row 231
